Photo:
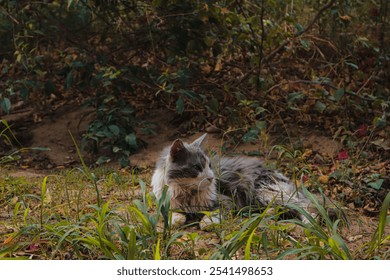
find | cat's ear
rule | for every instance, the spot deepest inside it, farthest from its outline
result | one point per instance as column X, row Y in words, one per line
column 177, row 149
column 197, row 142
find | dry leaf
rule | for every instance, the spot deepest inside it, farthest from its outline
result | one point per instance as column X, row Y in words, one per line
column 224, row 11
column 218, row 66
column 9, row 240
column 323, row 179
column 354, row 238
column 345, row 18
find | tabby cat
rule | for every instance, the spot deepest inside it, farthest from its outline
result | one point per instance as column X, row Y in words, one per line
column 199, row 182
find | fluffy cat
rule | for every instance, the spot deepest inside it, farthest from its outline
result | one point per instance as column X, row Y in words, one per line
column 198, row 182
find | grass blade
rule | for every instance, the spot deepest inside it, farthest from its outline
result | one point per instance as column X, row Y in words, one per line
column 383, row 217
column 156, row 253
column 132, row 246
column 377, row 239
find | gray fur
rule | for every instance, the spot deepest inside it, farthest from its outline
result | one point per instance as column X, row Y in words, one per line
column 248, row 182
column 243, row 180
column 186, row 170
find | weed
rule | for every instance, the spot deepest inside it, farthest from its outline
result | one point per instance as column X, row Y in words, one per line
column 140, row 229
column 323, row 240
column 379, row 240
column 243, row 237
column 80, row 215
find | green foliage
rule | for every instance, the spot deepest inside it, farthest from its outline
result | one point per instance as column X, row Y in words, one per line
column 9, row 139
column 12, row 153
column 242, row 238
column 378, row 239
column 323, row 235
column 98, row 230
column 113, row 132
column 221, row 58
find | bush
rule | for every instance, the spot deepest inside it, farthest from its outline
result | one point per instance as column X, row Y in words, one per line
column 236, row 64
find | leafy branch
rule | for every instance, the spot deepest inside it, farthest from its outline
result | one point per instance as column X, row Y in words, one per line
column 282, row 46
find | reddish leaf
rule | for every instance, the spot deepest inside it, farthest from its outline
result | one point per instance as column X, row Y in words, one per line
column 362, row 130
column 343, row 155
column 33, row 247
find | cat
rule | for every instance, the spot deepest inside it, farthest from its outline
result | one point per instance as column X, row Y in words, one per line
column 199, row 182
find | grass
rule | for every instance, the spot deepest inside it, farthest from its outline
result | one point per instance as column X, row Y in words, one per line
column 59, row 217
column 104, row 214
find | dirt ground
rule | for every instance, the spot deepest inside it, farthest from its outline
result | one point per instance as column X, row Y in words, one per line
column 52, row 132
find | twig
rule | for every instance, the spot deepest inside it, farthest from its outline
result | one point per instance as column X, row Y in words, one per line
column 271, row 55
column 301, row 82
column 10, row 16
column 351, row 93
column 364, row 85
column 309, row 26
column 262, row 39
column 254, row 37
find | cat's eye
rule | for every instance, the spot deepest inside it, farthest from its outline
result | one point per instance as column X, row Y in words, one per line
column 198, row 167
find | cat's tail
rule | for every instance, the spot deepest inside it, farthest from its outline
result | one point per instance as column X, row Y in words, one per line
column 281, row 191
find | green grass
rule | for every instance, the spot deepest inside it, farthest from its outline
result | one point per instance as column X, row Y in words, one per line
column 59, row 217
column 82, row 213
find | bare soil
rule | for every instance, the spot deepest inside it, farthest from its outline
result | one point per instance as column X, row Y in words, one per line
column 53, row 132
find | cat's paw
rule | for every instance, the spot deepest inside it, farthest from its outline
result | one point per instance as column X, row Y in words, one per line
column 209, row 220
column 177, row 219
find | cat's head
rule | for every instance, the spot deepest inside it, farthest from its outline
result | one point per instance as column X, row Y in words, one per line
column 188, row 166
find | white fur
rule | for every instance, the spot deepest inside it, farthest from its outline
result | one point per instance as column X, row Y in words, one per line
column 158, row 182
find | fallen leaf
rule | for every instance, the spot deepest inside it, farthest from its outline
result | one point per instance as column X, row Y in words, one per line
column 33, row 247
column 206, row 69
column 224, row 11
column 362, row 130
column 354, row 238
column 307, row 153
column 382, row 143
column 323, row 179
column 346, row 18
column 218, row 66
column 343, row 155
column 9, row 240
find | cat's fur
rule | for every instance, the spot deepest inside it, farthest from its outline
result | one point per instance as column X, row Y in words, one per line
column 198, row 182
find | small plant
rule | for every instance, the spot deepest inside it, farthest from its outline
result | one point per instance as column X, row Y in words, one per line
column 323, row 240
column 135, row 237
column 296, row 161
column 9, row 139
column 379, row 239
column 113, row 132
column 243, row 238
